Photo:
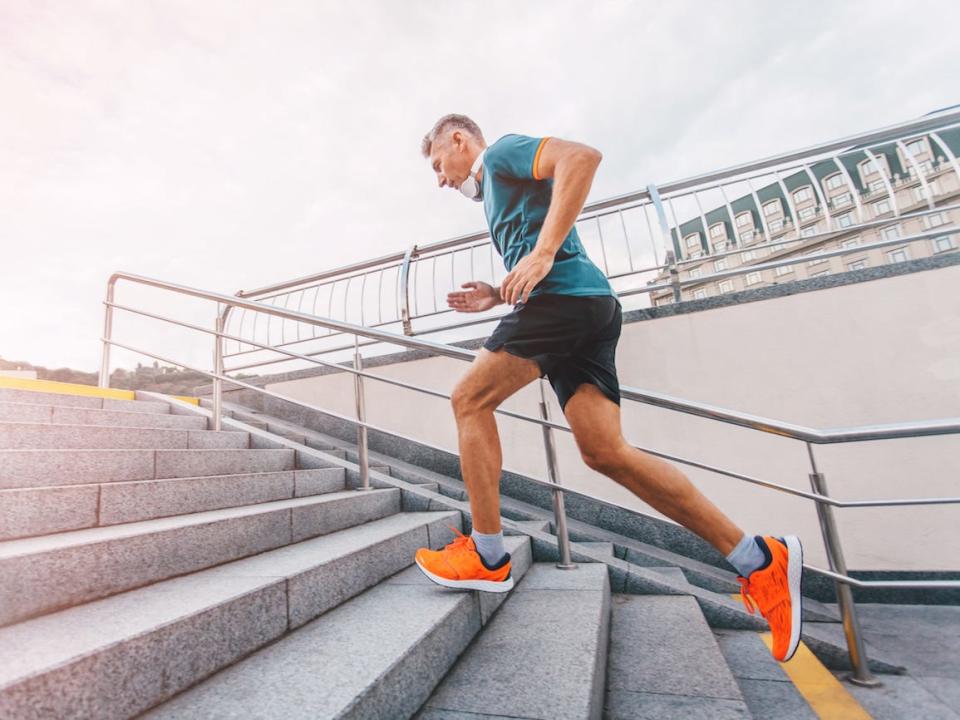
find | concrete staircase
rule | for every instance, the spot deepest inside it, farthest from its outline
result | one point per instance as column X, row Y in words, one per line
column 152, row 567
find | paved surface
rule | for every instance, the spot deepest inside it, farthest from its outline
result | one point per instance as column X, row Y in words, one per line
column 925, row 639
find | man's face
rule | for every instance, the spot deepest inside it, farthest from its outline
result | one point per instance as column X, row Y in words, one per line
column 450, row 160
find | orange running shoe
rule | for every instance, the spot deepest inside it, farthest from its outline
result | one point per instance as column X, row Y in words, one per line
column 459, row 565
column 775, row 590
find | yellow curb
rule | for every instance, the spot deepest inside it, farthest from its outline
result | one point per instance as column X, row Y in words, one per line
column 825, row 695
column 62, row 388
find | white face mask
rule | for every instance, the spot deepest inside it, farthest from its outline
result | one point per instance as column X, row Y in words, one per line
column 471, row 187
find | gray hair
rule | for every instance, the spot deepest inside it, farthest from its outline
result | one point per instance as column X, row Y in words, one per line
column 450, row 122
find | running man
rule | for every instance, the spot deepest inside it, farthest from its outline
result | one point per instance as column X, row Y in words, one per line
column 565, row 325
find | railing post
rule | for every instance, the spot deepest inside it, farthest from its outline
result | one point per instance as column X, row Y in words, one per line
column 674, row 275
column 671, row 248
column 361, row 416
column 104, row 379
column 218, row 370
column 848, row 609
column 559, row 511
column 404, row 290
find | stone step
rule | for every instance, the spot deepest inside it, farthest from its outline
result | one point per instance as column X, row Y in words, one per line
column 44, row 468
column 665, row 662
column 765, row 687
column 379, row 655
column 57, row 414
column 82, row 401
column 117, row 657
column 48, row 573
column 41, row 511
column 543, row 655
column 36, row 436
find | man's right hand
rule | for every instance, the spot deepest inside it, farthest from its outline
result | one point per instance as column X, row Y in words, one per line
column 479, row 297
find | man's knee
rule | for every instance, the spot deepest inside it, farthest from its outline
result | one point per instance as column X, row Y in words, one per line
column 605, row 458
column 468, row 398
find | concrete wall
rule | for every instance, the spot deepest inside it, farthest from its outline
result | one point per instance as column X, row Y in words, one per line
column 874, row 352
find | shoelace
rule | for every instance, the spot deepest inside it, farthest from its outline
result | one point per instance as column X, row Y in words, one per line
column 459, row 543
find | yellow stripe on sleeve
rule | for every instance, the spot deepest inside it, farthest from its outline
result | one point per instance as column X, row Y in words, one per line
column 536, row 159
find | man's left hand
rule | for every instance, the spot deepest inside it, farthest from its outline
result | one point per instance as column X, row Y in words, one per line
column 531, row 269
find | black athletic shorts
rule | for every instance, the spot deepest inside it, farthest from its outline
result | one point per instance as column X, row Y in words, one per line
column 572, row 338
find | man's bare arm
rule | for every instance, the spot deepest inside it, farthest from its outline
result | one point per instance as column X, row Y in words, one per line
column 572, row 167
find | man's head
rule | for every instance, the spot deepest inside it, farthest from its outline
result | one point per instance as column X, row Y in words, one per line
column 452, row 146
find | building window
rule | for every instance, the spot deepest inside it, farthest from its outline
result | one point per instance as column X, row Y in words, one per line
column 920, row 196
column 720, row 246
column 871, row 166
column 935, row 220
column 720, row 264
column 890, row 233
column 842, row 200
column 834, row 181
column 726, row 286
column 699, row 294
column 857, row 264
column 775, row 225
column 877, row 186
column 692, row 241
column 753, row 278
column 898, row 255
column 748, row 255
column 771, row 208
column 850, row 242
column 881, row 207
column 718, row 230
column 816, row 260
column 746, row 236
column 845, row 220
column 807, row 213
column 783, row 270
column 694, row 272
column 809, row 231
column 803, row 194
column 820, row 274
column 916, row 147
column 744, row 219
column 942, row 243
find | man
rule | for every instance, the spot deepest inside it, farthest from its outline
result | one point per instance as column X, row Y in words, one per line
column 565, row 324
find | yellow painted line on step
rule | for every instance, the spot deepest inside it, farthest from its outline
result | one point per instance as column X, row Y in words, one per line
column 61, row 388
column 825, row 695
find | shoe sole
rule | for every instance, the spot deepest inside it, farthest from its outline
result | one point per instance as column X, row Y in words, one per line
column 494, row 586
column 794, row 580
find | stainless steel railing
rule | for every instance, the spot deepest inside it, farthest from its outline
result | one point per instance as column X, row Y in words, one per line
column 810, row 436
column 640, row 239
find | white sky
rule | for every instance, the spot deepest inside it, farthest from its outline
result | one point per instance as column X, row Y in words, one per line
column 227, row 145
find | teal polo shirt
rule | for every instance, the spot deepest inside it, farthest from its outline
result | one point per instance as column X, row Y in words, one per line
column 515, row 201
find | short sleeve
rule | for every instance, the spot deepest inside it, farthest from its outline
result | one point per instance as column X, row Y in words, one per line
column 516, row 156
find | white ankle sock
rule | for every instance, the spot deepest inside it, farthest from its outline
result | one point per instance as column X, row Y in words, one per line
column 490, row 547
column 747, row 556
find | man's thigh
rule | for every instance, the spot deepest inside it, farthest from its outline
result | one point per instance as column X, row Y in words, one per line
column 495, row 376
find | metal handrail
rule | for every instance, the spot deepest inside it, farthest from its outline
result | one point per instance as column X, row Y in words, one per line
column 649, row 397
column 871, row 137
